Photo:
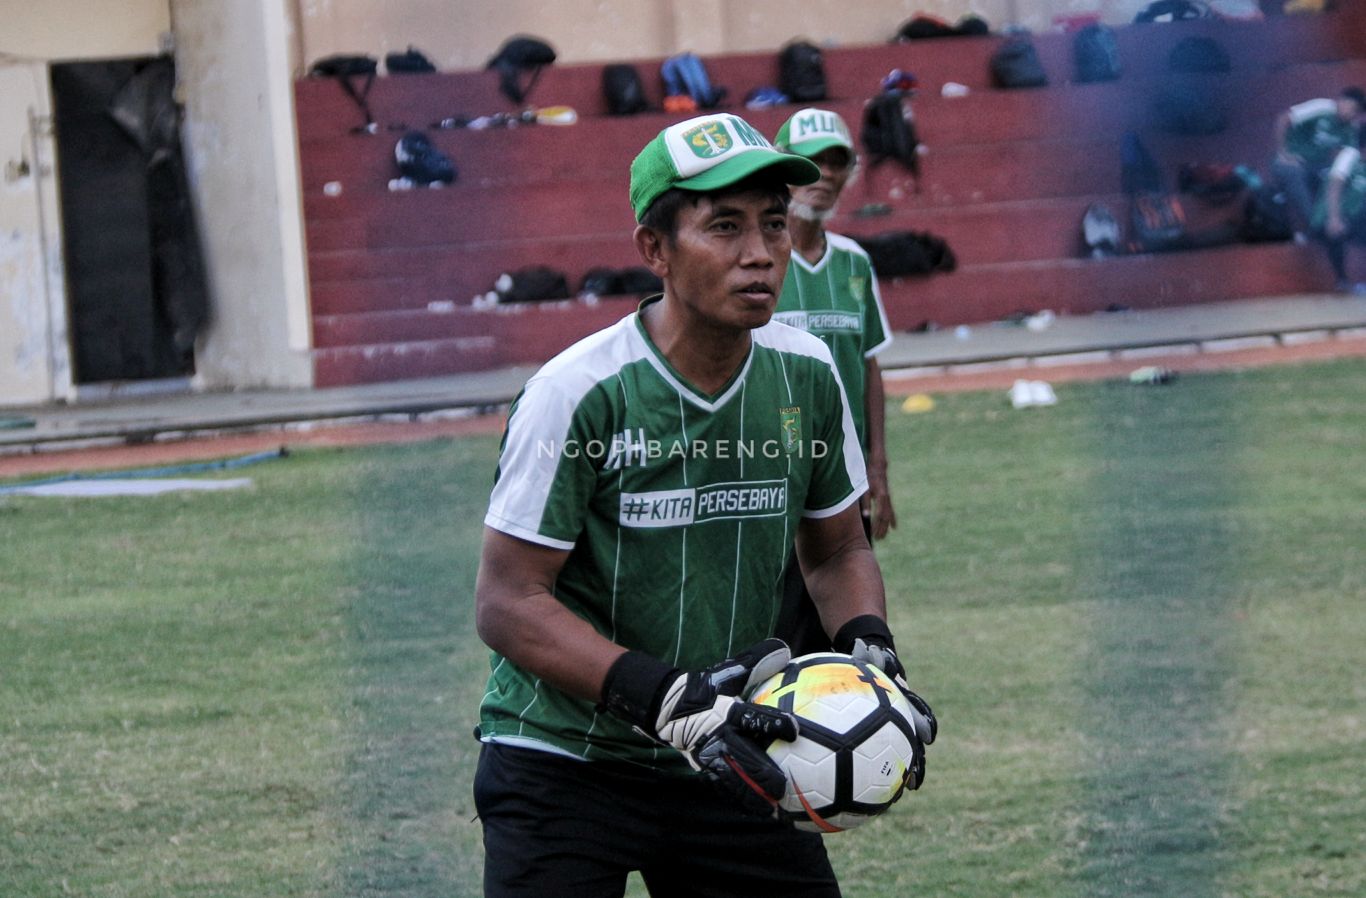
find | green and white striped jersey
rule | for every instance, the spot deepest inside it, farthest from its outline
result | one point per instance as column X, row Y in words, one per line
column 678, row 509
column 1315, row 133
column 1348, row 168
column 837, row 299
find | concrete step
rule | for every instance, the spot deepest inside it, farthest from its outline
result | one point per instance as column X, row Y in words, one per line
column 1006, row 179
column 983, row 123
column 851, row 73
column 426, row 342
column 1077, row 286
column 525, row 334
column 412, row 278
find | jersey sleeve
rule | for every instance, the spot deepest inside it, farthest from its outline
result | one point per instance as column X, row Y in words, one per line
column 1311, row 109
column 838, row 477
column 877, row 333
column 546, row 475
column 1344, row 162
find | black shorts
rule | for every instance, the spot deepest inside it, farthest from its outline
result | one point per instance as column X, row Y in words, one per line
column 574, row 829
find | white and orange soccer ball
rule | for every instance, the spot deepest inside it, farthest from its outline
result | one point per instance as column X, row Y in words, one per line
column 856, row 745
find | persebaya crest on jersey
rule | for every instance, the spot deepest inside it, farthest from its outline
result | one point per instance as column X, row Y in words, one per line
column 791, row 422
column 856, row 287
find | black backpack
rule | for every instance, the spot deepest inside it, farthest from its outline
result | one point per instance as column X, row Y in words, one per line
column 640, row 280
column 518, row 55
column 801, row 72
column 899, row 253
column 409, row 62
column 601, row 282
column 1096, row 54
column 1187, row 105
column 1266, row 217
column 887, row 134
column 1139, row 171
column 637, row 280
column 420, row 162
column 623, row 90
column 1198, row 55
column 1216, row 183
column 344, row 67
column 532, row 284
column 922, row 26
column 1172, row 11
column 972, row 25
column 1016, row 64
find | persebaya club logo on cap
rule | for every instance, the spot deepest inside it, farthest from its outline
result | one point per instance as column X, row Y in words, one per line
column 709, row 139
column 790, row 420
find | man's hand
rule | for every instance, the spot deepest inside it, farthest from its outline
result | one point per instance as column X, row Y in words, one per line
column 868, row 639
column 700, row 714
column 880, row 501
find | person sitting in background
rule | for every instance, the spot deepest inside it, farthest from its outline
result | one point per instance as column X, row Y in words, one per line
column 1308, row 138
column 1340, row 215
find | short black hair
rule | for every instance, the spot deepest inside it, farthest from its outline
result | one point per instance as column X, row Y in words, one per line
column 662, row 216
column 1356, row 95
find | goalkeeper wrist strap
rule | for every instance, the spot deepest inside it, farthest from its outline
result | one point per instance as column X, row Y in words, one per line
column 634, row 687
column 869, row 627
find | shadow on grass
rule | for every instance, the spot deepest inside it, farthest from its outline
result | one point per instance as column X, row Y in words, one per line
column 414, row 681
column 1163, row 571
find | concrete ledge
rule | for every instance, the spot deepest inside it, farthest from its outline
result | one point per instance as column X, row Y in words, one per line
column 1236, row 344
column 1073, row 358
column 1150, row 352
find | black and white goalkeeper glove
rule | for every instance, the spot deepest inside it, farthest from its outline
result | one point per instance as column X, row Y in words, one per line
column 868, row 639
column 700, row 714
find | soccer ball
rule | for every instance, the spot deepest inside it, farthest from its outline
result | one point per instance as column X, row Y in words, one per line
column 857, row 741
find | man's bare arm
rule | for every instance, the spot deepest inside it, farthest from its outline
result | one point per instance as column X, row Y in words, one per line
column 879, row 490
column 518, row 616
column 839, row 568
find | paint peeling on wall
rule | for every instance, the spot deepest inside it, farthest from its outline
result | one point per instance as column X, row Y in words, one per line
column 24, row 340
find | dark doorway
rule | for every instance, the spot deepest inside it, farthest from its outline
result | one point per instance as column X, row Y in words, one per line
column 134, row 273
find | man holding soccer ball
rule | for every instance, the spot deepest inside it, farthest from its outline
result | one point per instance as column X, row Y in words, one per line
column 651, row 483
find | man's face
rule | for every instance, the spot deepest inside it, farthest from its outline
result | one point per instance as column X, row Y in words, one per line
column 835, row 163
column 1349, row 110
column 727, row 262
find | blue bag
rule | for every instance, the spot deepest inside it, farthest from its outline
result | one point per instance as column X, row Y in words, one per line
column 685, row 74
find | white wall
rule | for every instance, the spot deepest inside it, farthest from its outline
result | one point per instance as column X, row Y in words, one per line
column 234, row 69
column 82, row 29
column 232, row 62
column 34, row 360
column 34, row 349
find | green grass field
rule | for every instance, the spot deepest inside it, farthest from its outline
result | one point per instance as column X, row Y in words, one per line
column 1139, row 615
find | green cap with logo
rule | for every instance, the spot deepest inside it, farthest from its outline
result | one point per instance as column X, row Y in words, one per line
column 813, row 130
column 708, row 153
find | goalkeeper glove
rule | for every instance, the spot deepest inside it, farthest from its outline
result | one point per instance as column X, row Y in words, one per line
column 868, row 639
column 700, row 714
